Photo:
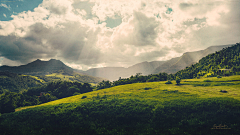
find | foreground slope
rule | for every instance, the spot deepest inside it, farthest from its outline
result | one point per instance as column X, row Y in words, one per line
column 142, row 108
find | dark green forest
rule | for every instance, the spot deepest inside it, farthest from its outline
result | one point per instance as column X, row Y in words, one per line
column 138, row 78
column 9, row 101
column 16, row 83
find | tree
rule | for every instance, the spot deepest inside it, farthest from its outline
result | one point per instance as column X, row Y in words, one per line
column 178, row 80
column 8, row 102
column 137, row 75
column 46, row 97
column 153, row 79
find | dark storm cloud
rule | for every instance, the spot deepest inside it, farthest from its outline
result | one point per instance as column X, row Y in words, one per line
column 145, row 29
column 72, row 31
column 19, row 49
column 74, row 42
column 71, row 43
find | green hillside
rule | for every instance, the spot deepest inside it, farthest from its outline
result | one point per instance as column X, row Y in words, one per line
column 49, row 71
column 16, row 83
column 13, row 82
column 193, row 107
column 9, row 101
column 215, row 64
column 61, row 75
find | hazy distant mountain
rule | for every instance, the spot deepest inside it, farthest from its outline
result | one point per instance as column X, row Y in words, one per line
column 113, row 73
column 187, row 59
column 145, row 67
column 170, row 66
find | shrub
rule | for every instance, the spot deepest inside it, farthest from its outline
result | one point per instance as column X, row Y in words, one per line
column 207, row 80
column 223, row 91
column 76, row 93
column 84, row 97
column 147, row 88
column 219, row 76
column 168, row 82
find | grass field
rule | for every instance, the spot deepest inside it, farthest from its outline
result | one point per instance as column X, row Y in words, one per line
column 197, row 87
column 140, row 108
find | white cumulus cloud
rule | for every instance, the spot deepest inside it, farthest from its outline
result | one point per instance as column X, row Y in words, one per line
column 95, row 33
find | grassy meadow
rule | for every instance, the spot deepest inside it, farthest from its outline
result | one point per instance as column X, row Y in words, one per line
column 193, row 107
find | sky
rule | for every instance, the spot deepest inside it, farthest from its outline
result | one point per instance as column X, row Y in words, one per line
column 108, row 33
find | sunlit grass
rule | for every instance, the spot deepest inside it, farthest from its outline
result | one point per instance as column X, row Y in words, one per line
column 35, row 77
column 159, row 91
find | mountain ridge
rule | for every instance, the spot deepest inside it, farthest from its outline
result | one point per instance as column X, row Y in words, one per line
column 51, row 70
column 173, row 65
column 38, row 67
column 187, row 59
column 154, row 67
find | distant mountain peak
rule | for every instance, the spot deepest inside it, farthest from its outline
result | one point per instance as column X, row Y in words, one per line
column 38, row 67
column 55, row 60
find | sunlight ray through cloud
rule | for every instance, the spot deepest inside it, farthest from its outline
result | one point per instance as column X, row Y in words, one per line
column 90, row 33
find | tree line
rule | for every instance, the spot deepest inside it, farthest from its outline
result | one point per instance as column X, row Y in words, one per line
column 138, row 78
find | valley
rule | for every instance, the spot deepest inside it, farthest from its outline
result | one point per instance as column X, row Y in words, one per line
column 146, row 108
column 201, row 97
column 120, row 67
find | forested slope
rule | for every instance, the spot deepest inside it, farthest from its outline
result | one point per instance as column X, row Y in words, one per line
column 215, row 64
column 16, row 83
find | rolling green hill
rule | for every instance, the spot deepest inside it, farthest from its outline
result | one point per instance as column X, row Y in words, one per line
column 194, row 107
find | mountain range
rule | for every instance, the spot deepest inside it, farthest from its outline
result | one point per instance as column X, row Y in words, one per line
column 173, row 65
column 170, row 66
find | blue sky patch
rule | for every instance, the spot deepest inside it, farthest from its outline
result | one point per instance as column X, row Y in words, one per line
column 15, row 7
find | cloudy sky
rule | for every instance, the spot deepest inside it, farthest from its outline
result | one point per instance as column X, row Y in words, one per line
column 98, row 33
